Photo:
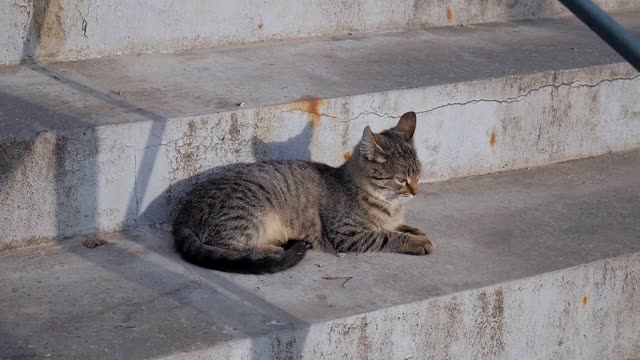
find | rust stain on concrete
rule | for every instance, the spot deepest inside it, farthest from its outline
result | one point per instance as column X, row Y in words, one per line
column 312, row 106
column 492, row 141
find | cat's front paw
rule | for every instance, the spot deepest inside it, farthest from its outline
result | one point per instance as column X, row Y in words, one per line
column 410, row 230
column 419, row 245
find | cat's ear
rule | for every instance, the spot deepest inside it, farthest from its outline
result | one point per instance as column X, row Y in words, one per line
column 406, row 126
column 370, row 146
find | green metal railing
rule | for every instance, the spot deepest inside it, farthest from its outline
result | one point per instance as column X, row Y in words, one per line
column 627, row 45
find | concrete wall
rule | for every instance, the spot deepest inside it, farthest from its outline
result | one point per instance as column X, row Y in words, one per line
column 59, row 30
column 587, row 312
column 112, row 177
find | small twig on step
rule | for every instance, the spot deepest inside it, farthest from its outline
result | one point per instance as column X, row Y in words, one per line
column 345, row 278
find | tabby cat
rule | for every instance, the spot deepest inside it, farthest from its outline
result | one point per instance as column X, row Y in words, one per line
column 261, row 217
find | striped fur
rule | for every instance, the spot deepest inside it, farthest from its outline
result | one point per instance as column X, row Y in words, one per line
column 256, row 218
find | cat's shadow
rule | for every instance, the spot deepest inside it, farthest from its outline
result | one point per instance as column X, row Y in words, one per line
column 162, row 209
column 294, row 148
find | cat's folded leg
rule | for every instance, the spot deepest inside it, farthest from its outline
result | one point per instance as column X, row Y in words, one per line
column 387, row 241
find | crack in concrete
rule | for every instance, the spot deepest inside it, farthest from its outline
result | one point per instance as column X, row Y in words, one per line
column 85, row 23
column 575, row 85
column 312, row 113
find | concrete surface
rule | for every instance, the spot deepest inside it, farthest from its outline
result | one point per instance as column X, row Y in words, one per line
column 103, row 145
column 59, row 30
column 530, row 264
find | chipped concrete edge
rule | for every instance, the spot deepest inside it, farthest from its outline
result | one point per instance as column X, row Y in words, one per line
column 589, row 311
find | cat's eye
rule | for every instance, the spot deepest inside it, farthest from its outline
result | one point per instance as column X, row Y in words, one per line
column 401, row 181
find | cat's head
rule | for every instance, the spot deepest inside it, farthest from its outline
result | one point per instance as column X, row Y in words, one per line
column 388, row 160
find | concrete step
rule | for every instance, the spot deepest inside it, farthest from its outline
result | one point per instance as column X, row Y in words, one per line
column 530, row 264
column 59, row 30
column 103, row 145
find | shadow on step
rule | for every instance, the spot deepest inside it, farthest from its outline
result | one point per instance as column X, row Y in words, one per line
column 15, row 348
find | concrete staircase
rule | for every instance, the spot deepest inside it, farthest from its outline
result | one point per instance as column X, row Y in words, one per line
column 536, row 263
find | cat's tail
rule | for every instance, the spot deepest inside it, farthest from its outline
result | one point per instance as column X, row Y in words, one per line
column 256, row 262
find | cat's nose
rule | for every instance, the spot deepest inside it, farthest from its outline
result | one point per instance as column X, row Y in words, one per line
column 414, row 188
